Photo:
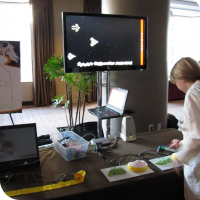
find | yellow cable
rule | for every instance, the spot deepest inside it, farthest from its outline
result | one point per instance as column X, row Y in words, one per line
column 78, row 178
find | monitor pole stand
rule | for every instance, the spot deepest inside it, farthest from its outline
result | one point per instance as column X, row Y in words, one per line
column 99, row 102
column 107, row 95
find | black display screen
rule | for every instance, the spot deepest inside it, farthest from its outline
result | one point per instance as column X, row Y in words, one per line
column 18, row 146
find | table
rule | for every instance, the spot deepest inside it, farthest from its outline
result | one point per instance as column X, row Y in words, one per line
column 158, row 185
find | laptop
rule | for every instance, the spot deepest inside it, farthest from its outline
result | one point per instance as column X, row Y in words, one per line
column 18, row 146
column 115, row 106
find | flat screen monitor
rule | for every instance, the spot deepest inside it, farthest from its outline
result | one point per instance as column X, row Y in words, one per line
column 102, row 42
column 18, row 146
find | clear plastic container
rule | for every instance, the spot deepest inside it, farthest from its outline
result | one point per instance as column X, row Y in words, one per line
column 75, row 146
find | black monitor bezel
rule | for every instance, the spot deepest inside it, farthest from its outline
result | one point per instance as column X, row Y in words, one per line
column 68, row 69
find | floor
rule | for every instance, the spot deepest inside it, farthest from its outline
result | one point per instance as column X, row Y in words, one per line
column 47, row 119
column 176, row 108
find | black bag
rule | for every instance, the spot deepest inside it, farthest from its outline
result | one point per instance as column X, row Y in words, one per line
column 44, row 139
column 172, row 121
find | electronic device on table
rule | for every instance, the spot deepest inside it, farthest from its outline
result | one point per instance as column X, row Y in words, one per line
column 103, row 143
column 104, row 42
column 166, row 148
column 18, row 146
column 115, row 106
column 128, row 130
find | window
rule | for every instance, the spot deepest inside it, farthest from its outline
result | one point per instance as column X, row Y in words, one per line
column 15, row 26
column 184, row 34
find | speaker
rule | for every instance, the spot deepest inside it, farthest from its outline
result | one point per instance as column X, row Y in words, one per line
column 128, row 132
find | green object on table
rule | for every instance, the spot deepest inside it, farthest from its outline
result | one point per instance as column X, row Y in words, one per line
column 164, row 161
column 116, row 171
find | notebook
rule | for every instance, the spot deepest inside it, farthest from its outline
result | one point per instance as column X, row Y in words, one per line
column 115, row 106
column 18, row 146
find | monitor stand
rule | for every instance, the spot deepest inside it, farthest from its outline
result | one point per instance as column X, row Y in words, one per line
column 99, row 103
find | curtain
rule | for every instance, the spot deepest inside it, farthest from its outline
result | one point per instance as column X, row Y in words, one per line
column 43, row 47
column 92, row 6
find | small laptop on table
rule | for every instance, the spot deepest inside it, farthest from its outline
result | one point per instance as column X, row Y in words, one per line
column 115, row 106
column 18, row 146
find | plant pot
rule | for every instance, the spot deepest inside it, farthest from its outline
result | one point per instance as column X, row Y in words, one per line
column 87, row 130
column 62, row 129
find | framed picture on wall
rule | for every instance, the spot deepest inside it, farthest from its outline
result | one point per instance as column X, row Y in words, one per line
column 10, row 84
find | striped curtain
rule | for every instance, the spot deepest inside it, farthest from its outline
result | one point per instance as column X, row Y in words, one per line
column 42, row 50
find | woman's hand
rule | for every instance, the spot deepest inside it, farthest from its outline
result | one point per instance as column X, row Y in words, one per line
column 174, row 143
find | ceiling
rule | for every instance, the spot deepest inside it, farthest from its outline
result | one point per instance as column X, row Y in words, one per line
column 190, row 5
column 194, row 1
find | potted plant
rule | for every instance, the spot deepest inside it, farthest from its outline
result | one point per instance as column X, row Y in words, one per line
column 80, row 82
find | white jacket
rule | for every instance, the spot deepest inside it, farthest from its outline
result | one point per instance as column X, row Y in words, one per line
column 189, row 153
column 190, row 127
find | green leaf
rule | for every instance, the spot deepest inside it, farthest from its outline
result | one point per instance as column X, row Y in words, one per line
column 57, row 100
column 54, row 67
column 66, row 104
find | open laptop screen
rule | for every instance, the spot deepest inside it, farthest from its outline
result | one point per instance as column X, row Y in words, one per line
column 18, row 146
column 117, row 99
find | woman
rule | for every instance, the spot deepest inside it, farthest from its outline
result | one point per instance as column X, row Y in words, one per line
column 186, row 75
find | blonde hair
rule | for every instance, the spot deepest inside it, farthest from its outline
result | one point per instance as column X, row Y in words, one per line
column 186, row 68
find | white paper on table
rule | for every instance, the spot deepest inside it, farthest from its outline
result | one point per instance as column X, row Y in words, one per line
column 129, row 173
column 167, row 166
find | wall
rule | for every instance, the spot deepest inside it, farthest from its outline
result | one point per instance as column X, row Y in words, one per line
column 27, row 91
column 147, row 89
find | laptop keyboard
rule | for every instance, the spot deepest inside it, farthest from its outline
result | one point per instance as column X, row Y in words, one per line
column 104, row 112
